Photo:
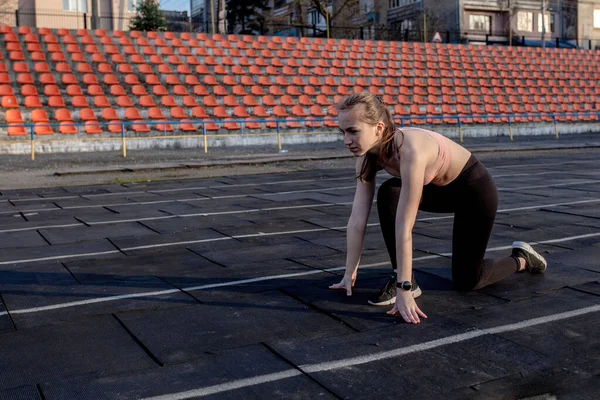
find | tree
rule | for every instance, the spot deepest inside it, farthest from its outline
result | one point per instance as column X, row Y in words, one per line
column 148, row 18
column 342, row 10
column 247, row 14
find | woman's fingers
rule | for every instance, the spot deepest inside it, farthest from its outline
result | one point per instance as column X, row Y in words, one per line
column 421, row 313
column 342, row 286
column 415, row 317
column 393, row 311
column 406, row 315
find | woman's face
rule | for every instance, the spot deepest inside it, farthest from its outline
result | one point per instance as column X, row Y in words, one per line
column 359, row 137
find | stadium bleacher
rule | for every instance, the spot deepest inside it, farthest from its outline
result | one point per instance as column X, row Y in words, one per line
column 98, row 79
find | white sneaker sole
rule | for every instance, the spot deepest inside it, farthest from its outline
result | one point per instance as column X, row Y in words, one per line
column 415, row 294
column 526, row 247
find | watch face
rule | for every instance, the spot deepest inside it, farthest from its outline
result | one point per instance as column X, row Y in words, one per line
column 406, row 285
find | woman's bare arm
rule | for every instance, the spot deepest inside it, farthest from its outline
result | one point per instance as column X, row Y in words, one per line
column 412, row 170
column 357, row 223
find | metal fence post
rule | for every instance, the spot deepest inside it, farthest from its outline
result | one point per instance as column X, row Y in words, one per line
column 278, row 136
column 16, row 17
column 555, row 127
column 32, row 144
column 123, row 142
column 205, row 139
column 460, row 132
column 510, row 131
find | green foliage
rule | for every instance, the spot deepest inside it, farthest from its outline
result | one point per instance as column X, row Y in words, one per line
column 148, row 18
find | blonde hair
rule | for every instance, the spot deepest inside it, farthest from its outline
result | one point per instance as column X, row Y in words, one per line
column 372, row 112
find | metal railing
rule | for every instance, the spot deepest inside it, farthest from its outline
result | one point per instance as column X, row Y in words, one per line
column 282, row 126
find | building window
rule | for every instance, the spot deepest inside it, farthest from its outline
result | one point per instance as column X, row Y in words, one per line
column 312, row 17
column 132, row 5
column 597, row 18
column 525, row 21
column 480, row 22
column 548, row 22
column 75, row 5
column 407, row 24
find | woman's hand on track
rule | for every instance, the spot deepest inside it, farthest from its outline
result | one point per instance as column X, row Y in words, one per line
column 347, row 283
column 407, row 307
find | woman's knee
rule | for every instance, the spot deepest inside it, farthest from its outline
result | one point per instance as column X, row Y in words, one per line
column 389, row 190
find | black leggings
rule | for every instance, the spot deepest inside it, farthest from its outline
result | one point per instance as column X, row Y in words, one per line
column 473, row 198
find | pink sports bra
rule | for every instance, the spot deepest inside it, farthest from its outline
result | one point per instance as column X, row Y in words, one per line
column 436, row 171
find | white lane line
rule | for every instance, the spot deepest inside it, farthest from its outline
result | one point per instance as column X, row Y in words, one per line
column 30, row 260
column 33, row 228
column 368, row 358
column 254, row 210
column 160, row 245
column 204, row 214
column 549, row 163
column 233, row 196
column 233, row 385
column 194, row 199
column 264, row 278
column 281, row 182
column 551, row 186
column 184, row 189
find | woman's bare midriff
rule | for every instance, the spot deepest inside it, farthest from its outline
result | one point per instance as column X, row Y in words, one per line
column 458, row 154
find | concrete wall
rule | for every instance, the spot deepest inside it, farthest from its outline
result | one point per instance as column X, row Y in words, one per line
column 86, row 144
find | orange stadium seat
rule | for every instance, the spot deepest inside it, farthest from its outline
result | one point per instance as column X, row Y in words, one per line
column 79, row 102
column 14, row 119
column 33, row 102
column 189, row 101
column 56, row 102
column 66, row 126
column 168, row 101
column 177, row 113
column 101, row 101
column 41, row 121
column 132, row 115
column 124, row 101
column 147, row 101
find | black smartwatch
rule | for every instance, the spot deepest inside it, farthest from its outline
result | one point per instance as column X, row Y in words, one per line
column 406, row 285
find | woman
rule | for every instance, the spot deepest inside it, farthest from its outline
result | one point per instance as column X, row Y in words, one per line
column 437, row 175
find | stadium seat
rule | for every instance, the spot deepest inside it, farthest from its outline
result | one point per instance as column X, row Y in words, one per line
column 9, row 102
column 33, row 102
column 74, row 90
column 14, row 119
column 124, row 101
column 101, row 101
column 138, row 90
column 66, row 125
column 56, row 102
column 41, row 121
column 132, row 115
column 147, row 101
column 155, row 113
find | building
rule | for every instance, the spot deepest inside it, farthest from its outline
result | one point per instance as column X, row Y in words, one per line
column 588, row 27
column 199, row 18
column 353, row 19
column 481, row 21
column 69, row 14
